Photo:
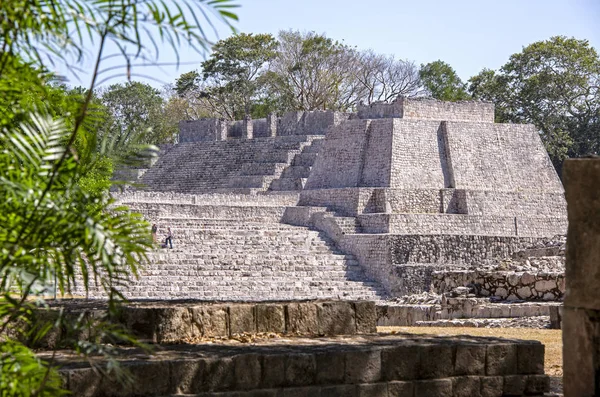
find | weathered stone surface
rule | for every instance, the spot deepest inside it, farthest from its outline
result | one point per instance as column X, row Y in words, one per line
column 400, row 389
column 241, row 319
column 514, row 385
column 436, row 361
column 537, row 384
column 339, row 390
column 470, row 360
column 310, row 391
column 492, row 386
column 273, row 371
column 85, row 382
column 530, row 358
column 209, row 321
column 331, row 367
column 336, row 318
column 302, row 318
column 398, row 363
column 220, row 374
column 247, row 371
column 363, row 366
column 372, row 390
column 501, row 359
column 366, row 317
column 188, row 376
column 300, row 369
column 172, row 324
column 270, row 318
column 466, row 386
column 434, row 388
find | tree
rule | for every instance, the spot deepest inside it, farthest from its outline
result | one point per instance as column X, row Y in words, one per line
column 442, row 82
column 555, row 85
column 230, row 77
column 48, row 229
column 312, row 72
column 137, row 114
column 384, row 78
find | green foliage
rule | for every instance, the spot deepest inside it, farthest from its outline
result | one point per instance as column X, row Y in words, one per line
column 26, row 375
column 58, row 224
column 442, row 82
column 554, row 84
column 137, row 114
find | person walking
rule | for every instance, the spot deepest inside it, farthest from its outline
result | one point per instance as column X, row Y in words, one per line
column 169, row 238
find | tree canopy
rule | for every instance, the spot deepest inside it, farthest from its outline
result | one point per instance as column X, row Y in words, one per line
column 441, row 82
column 555, row 85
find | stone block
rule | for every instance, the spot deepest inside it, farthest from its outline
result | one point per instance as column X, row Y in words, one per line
column 400, row 362
column 172, row 324
column 537, row 384
column 219, row 374
column 331, row 367
column 248, row 373
column 581, row 331
column 433, row 388
column 436, row 361
column 582, row 274
column 470, row 360
column 187, row 377
column 372, row 390
column 401, row 389
column 501, row 359
column 338, row 391
column 85, row 382
column 273, row 371
column 492, row 386
column 300, row 369
column 140, row 322
column 530, row 358
column 302, row 318
column 150, row 378
column 514, row 385
column 270, row 318
column 466, row 386
column 336, row 318
column 310, row 391
column 209, row 321
column 260, row 393
column 363, row 366
column 241, row 319
column 366, row 317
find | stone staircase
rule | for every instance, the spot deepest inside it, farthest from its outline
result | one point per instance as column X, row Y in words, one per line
column 241, row 251
column 233, row 166
column 294, row 176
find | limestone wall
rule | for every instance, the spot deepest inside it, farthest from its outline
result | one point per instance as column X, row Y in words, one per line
column 429, row 109
column 500, row 157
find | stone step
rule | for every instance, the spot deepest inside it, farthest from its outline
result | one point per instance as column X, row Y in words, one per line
column 261, row 168
column 296, row 171
column 287, row 184
column 368, row 365
column 305, row 159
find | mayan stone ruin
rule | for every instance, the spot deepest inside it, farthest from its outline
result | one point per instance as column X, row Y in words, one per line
column 320, row 224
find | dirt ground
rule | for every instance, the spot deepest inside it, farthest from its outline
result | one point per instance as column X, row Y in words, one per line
column 551, row 338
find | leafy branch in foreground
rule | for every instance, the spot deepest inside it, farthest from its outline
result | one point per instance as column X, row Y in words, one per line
column 56, row 232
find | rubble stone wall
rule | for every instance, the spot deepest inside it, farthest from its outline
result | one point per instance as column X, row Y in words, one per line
column 503, row 285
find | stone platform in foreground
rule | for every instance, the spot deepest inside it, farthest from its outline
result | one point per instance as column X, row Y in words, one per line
column 374, row 366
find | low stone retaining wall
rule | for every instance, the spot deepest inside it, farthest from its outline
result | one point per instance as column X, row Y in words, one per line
column 458, row 308
column 377, row 366
column 185, row 322
column 503, row 285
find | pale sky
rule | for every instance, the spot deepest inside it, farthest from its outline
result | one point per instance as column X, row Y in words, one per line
column 467, row 34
